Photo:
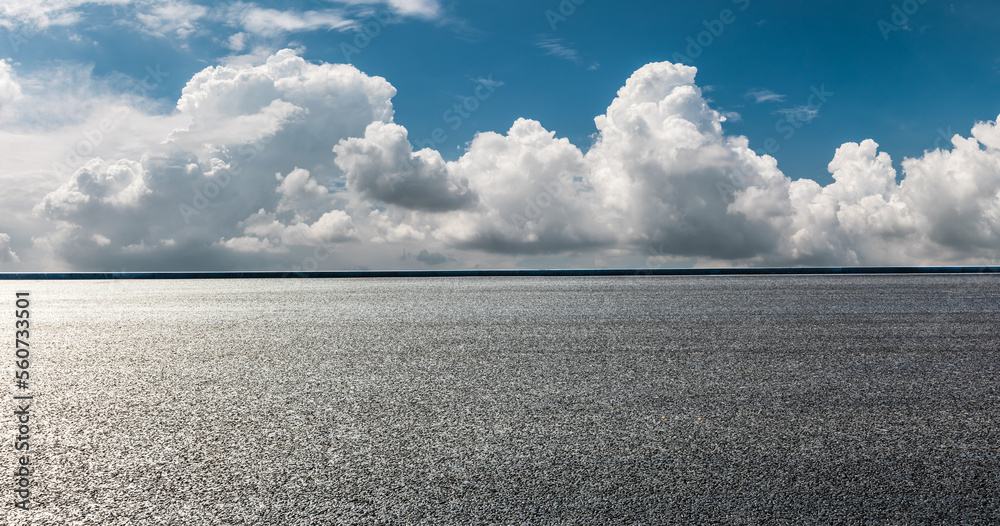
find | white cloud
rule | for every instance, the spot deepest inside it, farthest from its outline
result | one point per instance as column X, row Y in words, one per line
column 946, row 210
column 382, row 166
column 488, row 82
column 419, row 8
column 426, row 8
column 214, row 179
column 524, row 192
column 269, row 22
column 333, row 227
column 261, row 163
column 180, row 18
column 10, row 90
column 251, row 245
column 803, row 113
column 172, row 17
column 662, row 167
column 533, row 195
column 765, row 95
column 558, row 48
column 62, row 120
column 6, row 254
column 299, row 190
column 237, row 42
column 31, row 14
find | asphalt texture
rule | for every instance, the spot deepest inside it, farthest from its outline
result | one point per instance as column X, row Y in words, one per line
column 627, row 400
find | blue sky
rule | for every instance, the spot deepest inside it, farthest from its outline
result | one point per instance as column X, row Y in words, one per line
column 907, row 75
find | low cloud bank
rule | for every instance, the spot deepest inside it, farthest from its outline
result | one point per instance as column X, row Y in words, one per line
column 280, row 158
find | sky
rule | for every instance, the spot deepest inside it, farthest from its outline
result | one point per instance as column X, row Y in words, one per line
column 439, row 134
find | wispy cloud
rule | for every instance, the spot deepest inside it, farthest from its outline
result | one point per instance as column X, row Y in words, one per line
column 488, row 81
column 272, row 22
column 237, row 42
column 558, row 48
column 732, row 116
column 418, row 8
column 803, row 113
column 182, row 17
column 179, row 18
column 765, row 95
column 32, row 13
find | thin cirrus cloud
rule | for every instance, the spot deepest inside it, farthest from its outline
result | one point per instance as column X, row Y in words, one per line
column 763, row 95
column 803, row 113
column 273, row 162
column 560, row 48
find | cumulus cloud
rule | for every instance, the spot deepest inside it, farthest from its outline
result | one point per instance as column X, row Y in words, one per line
column 333, row 227
column 523, row 192
column 383, row 166
column 273, row 159
column 211, row 187
column 237, row 42
column 6, row 254
column 661, row 165
column 534, row 195
column 945, row 210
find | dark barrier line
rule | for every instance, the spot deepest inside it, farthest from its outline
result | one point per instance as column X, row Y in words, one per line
column 496, row 273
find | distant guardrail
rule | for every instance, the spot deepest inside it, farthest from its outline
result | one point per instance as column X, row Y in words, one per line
column 498, row 273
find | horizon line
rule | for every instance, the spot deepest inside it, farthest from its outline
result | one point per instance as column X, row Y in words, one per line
column 615, row 272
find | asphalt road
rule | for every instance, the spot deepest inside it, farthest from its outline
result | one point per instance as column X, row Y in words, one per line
column 655, row 400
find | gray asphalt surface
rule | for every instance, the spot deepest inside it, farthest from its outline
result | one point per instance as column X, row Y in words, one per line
column 745, row 400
